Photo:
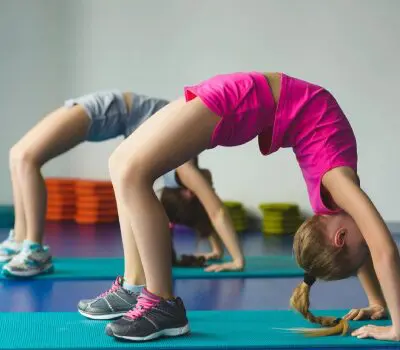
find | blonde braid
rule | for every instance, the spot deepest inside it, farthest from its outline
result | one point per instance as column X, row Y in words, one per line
column 300, row 301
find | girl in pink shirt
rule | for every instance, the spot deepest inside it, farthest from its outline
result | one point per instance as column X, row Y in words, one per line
column 347, row 236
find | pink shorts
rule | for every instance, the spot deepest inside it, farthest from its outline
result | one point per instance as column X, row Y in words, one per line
column 244, row 102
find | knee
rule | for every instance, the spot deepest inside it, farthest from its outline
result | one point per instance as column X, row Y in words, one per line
column 133, row 171
column 123, row 171
column 20, row 157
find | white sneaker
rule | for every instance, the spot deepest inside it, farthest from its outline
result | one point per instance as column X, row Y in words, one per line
column 31, row 261
column 9, row 248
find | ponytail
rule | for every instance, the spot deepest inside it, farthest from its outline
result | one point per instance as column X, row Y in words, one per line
column 300, row 301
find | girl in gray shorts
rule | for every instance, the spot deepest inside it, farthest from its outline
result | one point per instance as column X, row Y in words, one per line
column 95, row 117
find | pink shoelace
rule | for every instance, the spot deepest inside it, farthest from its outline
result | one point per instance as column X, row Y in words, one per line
column 115, row 286
column 144, row 303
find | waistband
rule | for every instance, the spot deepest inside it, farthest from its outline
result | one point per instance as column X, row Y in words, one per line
column 264, row 94
column 276, row 135
column 269, row 108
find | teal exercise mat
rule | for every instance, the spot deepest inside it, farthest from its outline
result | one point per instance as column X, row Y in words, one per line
column 272, row 266
column 209, row 330
column 6, row 216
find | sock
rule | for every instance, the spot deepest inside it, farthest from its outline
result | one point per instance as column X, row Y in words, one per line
column 27, row 244
column 157, row 298
column 151, row 296
column 132, row 288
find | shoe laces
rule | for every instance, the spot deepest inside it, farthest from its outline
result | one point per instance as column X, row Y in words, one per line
column 144, row 304
column 115, row 286
column 20, row 258
column 26, row 255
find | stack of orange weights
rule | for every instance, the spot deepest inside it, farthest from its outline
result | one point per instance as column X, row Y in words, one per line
column 92, row 201
column 95, row 202
column 61, row 199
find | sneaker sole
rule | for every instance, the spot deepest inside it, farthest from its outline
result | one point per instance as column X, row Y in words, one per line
column 48, row 268
column 102, row 316
column 171, row 332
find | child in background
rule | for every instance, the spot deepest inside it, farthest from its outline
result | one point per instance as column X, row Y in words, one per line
column 184, row 208
column 95, row 118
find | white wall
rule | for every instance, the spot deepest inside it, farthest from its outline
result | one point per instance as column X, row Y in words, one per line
column 156, row 47
column 33, row 78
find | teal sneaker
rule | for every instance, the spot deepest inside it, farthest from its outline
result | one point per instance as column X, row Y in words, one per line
column 9, row 248
column 32, row 260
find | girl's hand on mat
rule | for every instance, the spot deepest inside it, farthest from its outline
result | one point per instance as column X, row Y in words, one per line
column 229, row 266
column 372, row 312
column 376, row 332
column 210, row 256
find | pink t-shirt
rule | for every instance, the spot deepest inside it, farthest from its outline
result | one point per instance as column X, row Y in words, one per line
column 309, row 119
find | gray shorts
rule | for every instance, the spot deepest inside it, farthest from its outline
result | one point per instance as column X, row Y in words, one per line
column 110, row 118
column 170, row 180
column 109, row 114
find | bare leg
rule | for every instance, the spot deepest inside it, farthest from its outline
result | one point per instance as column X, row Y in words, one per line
column 20, row 221
column 55, row 134
column 175, row 134
column 133, row 269
column 134, row 273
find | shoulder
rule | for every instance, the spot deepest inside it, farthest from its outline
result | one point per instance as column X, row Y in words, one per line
column 340, row 174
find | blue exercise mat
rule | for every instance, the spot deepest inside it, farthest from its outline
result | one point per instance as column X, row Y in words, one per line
column 271, row 266
column 209, row 330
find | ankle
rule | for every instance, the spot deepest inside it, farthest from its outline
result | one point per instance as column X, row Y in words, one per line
column 31, row 244
column 17, row 236
column 135, row 280
column 133, row 288
column 161, row 295
column 32, row 241
column 18, row 240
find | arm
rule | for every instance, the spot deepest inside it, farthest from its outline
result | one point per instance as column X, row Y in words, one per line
column 370, row 284
column 377, row 305
column 217, row 249
column 193, row 179
column 343, row 186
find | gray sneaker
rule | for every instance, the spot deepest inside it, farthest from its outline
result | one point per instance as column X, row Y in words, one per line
column 150, row 319
column 112, row 304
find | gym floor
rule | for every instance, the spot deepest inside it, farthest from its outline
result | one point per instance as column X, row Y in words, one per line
column 68, row 240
